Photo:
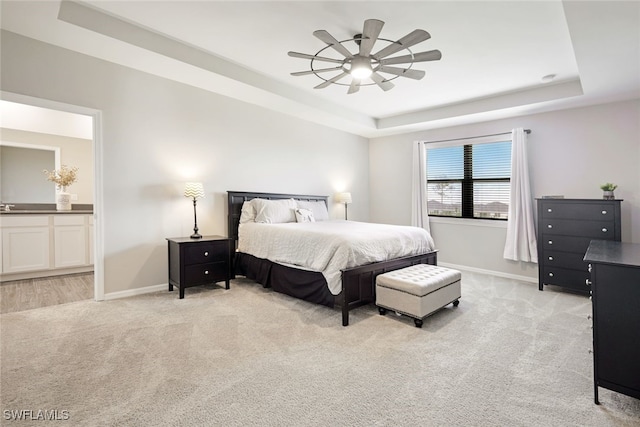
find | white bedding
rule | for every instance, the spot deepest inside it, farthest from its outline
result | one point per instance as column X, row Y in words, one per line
column 331, row 246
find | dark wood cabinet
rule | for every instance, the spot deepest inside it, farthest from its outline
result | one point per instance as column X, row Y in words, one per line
column 195, row 262
column 615, row 284
column 565, row 228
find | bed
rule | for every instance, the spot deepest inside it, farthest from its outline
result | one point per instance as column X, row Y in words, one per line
column 356, row 284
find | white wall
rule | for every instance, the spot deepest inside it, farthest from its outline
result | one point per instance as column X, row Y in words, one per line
column 157, row 134
column 571, row 153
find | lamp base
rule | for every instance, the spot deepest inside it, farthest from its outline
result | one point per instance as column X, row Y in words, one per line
column 196, row 236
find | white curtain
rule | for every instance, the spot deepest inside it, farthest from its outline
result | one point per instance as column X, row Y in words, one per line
column 521, row 233
column 419, row 216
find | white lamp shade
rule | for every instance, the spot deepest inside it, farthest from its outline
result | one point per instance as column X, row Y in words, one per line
column 194, row 189
column 343, row 197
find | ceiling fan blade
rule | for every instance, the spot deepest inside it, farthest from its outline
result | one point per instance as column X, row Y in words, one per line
column 380, row 81
column 370, row 33
column 431, row 55
column 414, row 37
column 331, row 41
column 319, row 70
column 412, row 74
column 331, row 80
column 319, row 58
column 353, row 87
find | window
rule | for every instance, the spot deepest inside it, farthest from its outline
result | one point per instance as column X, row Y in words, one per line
column 469, row 181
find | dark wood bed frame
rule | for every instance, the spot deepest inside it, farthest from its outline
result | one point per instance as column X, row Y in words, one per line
column 358, row 283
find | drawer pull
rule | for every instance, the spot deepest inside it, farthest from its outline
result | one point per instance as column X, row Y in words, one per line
column 550, row 258
column 206, row 272
column 551, row 242
column 550, row 274
column 206, row 254
column 604, row 230
column 589, row 268
column 604, row 212
column 549, row 210
column 549, row 226
column 587, row 282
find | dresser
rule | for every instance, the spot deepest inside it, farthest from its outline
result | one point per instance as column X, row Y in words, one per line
column 195, row 262
column 565, row 228
column 615, row 284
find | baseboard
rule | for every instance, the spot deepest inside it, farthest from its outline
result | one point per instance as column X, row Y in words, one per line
column 137, row 291
column 490, row 272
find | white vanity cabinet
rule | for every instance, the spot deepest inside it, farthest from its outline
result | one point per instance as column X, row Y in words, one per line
column 70, row 240
column 25, row 243
column 40, row 245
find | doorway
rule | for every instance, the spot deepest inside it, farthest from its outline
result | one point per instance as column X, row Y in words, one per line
column 76, row 281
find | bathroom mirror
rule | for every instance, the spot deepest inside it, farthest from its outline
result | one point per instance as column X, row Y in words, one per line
column 21, row 176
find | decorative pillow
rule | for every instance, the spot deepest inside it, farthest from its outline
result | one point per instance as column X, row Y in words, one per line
column 248, row 212
column 304, row 215
column 275, row 211
column 319, row 209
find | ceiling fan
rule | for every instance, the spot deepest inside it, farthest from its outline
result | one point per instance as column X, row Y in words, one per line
column 364, row 67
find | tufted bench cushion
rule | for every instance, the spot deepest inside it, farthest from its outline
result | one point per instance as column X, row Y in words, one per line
column 418, row 290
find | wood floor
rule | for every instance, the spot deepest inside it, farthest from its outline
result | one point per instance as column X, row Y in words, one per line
column 20, row 295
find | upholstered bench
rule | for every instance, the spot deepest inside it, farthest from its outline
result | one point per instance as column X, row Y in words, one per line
column 418, row 291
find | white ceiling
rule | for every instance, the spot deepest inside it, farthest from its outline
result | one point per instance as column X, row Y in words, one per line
column 494, row 53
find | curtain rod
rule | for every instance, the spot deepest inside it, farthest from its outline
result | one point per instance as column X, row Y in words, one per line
column 474, row 137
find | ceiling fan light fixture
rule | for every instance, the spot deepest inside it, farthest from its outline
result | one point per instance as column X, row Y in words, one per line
column 360, row 67
column 364, row 64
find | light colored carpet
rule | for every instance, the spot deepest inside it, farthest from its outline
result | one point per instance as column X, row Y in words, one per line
column 508, row 355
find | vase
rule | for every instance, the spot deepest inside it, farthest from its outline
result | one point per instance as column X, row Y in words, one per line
column 608, row 195
column 63, row 200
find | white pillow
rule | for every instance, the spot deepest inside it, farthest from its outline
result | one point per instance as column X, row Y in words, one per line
column 248, row 212
column 319, row 209
column 275, row 211
column 304, row 215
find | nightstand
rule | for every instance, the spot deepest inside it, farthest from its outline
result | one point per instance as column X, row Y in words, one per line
column 195, row 262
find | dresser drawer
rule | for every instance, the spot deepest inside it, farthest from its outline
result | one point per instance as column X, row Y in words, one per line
column 205, row 252
column 574, row 279
column 205, row 273
column 571, row 260
column 586, row 211
column 601, row 230
column 553, row 242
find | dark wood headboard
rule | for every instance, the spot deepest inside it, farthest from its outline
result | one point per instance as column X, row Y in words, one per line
column 235, row 199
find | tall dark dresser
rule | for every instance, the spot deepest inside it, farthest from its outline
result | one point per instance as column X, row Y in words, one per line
column 615, row 282
column 565, row 228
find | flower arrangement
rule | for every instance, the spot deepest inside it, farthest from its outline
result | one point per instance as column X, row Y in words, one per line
column 63, row 177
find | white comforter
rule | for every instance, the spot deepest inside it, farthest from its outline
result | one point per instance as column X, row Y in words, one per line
column 331, row 246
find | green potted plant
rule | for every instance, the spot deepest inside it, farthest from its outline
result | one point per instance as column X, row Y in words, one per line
column 608, row 191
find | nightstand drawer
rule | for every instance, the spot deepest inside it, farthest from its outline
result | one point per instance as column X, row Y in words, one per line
column 602, row 230
column 206, row 252
column 585, row 211
column 206, row 273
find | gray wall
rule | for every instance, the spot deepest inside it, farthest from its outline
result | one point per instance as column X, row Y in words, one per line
column 157, row 134
column 571, row 152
